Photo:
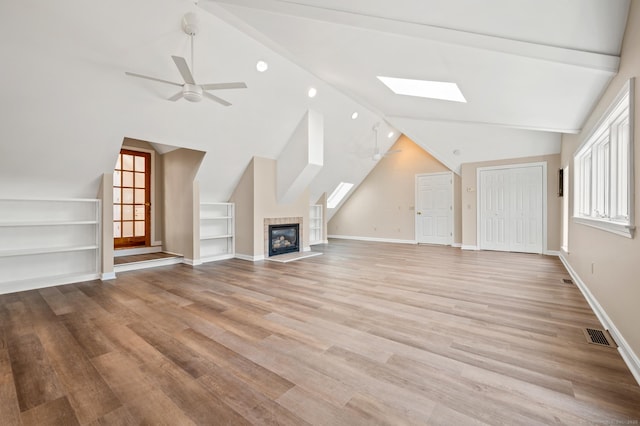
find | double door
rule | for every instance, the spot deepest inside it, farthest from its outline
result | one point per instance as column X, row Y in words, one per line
column 511, row 209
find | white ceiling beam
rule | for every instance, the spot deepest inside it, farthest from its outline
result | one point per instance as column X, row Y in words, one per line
column 579, row 58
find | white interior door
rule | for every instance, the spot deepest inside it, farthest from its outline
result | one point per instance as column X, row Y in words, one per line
column 511, row 209
column 434, row 208
column 494, row 202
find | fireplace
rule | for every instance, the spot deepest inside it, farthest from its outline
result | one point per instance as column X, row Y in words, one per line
column 284, row 238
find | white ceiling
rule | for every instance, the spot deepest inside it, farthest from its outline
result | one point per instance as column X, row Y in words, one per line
column 529, row 69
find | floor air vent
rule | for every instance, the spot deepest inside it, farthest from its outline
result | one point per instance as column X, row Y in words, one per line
column 567, row 281
column 598, row 337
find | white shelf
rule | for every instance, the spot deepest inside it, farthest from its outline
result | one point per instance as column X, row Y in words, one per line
column 217, row 231
column 44, row 250
column 216, row 237
column 46, row 242
column 315, row 224
column 49, row 223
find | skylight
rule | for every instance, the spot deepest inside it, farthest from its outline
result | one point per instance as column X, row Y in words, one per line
column 338, row 194
column 424, row 88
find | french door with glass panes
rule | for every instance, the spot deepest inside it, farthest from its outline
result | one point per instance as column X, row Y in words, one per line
column 131, row 199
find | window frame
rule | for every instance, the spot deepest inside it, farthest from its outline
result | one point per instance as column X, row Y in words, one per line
column 604, row 180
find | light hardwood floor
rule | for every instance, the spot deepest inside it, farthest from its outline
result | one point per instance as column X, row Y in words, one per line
column 367, row 333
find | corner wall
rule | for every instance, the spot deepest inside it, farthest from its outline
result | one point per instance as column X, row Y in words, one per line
column 181, row 167
column 383, row 205
column 606, row 265
column 242, row 197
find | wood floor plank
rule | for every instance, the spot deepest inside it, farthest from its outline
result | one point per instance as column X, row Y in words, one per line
column 252, row 374
column 255, row 406
column 368, row 333
column 57, row 412
column 138, row 392
column 35, row 379
column 85, row 389
column 9, row 408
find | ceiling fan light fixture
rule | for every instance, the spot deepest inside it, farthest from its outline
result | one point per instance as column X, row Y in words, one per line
column 192, row 92
column 190, row 23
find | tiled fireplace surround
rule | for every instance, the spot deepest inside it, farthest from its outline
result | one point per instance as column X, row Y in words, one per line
column 281, row 221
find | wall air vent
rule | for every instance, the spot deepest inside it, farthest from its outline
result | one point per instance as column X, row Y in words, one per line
column 599, row 337
column 567, row 281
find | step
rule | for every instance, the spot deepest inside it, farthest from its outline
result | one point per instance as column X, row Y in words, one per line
column 132, row 264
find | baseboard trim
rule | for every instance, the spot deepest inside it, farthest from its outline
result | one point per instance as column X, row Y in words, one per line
column 191, row 262
column 469, row 247
column 376, row 240
column 215, row 258
column 552, row 253
column 629, row 357
column 456, row 245
column 108, row 276
column 249, row 258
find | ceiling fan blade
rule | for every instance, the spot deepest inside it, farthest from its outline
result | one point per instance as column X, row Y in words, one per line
column 132, row 74
column 176, row 96
column 184, row 69
column 216, row 99
column 221, row 86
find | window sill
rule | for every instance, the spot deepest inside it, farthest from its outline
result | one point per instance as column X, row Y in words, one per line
column 615, row 228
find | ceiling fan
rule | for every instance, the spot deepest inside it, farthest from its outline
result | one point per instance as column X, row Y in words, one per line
column 377, row 155
column 192, row 91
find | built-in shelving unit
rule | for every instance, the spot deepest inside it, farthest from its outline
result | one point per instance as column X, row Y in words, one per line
column 315, row 224
column 47, row 242
column 217, row 231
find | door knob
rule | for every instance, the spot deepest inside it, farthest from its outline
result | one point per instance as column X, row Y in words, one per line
column 419, row 213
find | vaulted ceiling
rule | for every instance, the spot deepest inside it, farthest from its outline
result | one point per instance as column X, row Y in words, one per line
column 529, row 70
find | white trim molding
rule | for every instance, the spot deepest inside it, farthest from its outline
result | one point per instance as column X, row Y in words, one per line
column 616, row 228
column 469, row 247
column 551, row 253
column 629, row 357
column 249, row 257
column 456, row 245
column 372, row 239
column 108, row 276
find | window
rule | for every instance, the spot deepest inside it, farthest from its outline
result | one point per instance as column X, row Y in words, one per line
column 602, row 170
column 338, row 194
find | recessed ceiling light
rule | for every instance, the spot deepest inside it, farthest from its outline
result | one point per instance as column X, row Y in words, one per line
column 390, row 135
column 312, row 92
column 354, row 115
column 262, row 66
column 424, row 88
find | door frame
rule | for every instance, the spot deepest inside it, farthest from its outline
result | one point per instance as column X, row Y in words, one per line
column 152, row 194
column 544, row 198
column 415, row 205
